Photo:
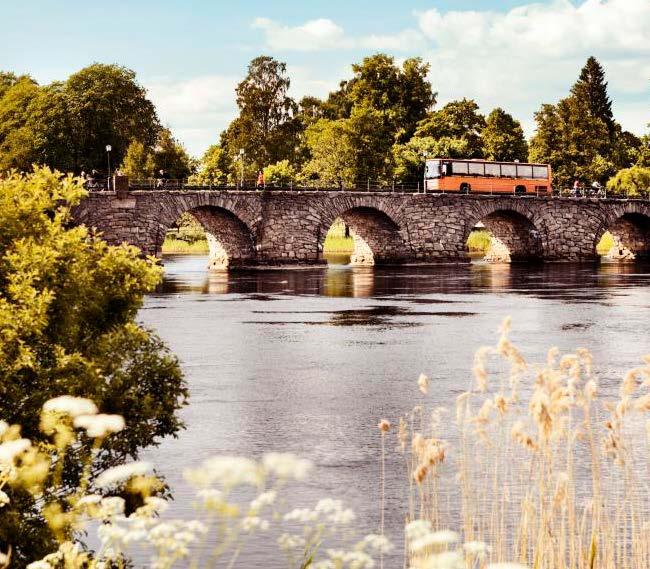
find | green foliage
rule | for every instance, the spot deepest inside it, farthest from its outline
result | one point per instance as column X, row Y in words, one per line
column 572, row 141
column 409, row 158
column 591, row 89
column 68, row 125
column 332, row 152
column 280, row 173
column 643, row 152
column 503, row 138
column 212, row 168
column 170, row 155
column 633, row 182
column 266, row 128
column 138, row 162
column 68, row 304
column 456, row 120
column 479, row 241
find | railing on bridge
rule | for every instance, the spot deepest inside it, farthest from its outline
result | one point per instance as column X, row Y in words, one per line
column 391, row 186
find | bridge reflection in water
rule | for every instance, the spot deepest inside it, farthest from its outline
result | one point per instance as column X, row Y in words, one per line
column 188, row 274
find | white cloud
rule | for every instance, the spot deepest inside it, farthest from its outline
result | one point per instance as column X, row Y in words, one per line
column 314, row 35
column 196, row 109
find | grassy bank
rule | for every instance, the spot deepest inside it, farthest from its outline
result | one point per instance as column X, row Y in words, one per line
column 478, row 241
column 174, row 245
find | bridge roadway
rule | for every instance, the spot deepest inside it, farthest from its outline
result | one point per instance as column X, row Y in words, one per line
column 283, row 227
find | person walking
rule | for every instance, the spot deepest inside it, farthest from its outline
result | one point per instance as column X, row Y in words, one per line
column 260, row 180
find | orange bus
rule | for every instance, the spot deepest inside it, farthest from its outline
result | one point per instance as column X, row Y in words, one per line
column 485, row 177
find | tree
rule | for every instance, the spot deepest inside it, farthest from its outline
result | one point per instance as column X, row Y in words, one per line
column 265, row 128
column 212, row 168
column 503, row 138
column 107, row 106
column 170, row 155
column 631, row 182
column 573, row 141
column 68, row 304
column 409, row 158
column 332, row 153
column 458, row 119
column 643, row 152
column 591, row 88
column 280, row 174
column 68, row 125
column 138, row 162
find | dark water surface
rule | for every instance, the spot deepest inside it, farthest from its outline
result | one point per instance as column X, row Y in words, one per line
column 308, row 361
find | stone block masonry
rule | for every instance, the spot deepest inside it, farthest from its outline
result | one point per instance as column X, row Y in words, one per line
column 289, row 227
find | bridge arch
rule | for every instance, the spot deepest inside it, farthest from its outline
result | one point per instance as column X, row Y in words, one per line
column 629, row 225
column 231, row 241
column 514, row 229
column 378, row 238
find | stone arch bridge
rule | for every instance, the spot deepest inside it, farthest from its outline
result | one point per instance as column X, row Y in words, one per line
column 289, row 227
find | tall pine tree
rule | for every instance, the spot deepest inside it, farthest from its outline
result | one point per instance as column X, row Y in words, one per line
column 591, row 89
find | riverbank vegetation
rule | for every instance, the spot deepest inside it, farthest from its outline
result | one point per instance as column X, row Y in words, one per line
column 375, row 128
column 68, row 303
column 537, row 466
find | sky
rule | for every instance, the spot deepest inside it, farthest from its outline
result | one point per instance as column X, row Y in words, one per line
column 191, row 54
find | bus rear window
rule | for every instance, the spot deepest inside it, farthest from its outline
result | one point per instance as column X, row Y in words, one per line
column 540, row 172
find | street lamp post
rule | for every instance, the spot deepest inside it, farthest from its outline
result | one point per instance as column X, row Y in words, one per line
column 241, row 160
column 108, row 156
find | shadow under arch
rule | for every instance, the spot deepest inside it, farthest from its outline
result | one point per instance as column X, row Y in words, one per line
column 377, row 237
column 514, row 236
column 231, row 243
column 631, row 236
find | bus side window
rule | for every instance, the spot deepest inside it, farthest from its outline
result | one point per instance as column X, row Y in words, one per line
column 447, row 171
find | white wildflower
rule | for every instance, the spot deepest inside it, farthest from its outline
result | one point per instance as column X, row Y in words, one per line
column 287, row 541
column 112, row 506
column 423, row 383
column 286, row 465
column 4, row 559
column 11, row 449
column 158, row 505
column 4, row 427
column 302, row 515
column 506, row 566
column 4, row 499
column 39, row 565
column 73, row 406
column 97, row 426
column 122, row 473
column 264, row 499
column 229, row 471
column 88, row 500
column 446, row 560
column 212, row 498
column 435, row 539
column 418, row 528
column 378, row 543
column 476, row 548
column 252, row 523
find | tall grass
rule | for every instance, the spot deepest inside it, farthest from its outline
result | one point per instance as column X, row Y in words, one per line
column 537, row 463
column 172, row 245
column 336, row 240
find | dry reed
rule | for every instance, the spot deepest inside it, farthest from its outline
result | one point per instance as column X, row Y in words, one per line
column 538, row 463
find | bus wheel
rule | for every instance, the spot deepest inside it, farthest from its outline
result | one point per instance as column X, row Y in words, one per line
column 465, row 188
column 519, row 190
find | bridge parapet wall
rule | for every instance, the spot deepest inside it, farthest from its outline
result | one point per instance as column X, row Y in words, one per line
column 283, row 227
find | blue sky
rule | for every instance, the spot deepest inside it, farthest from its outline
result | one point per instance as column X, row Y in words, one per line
column 191, row 54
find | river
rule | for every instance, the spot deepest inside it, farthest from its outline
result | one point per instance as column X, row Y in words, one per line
column 309, row 360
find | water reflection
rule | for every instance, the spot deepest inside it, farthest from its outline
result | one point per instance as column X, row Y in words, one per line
column 308, row 360
column 187, row 274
